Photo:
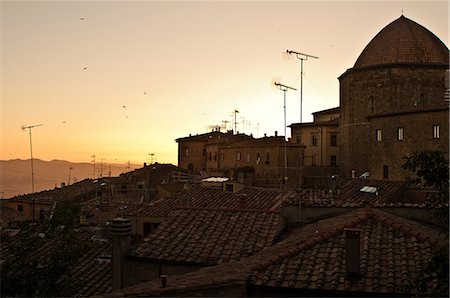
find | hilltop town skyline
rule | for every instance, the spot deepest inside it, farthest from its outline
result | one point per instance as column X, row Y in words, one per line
column 122, row 81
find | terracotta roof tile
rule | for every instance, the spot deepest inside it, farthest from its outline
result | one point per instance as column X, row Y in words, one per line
column 404, row 42
column 93, row 269
column 210, row 236
column 390, row 194
column 257, row 198
column 388, row 255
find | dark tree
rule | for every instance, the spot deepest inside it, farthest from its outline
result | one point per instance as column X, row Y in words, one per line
column 432, row 169
column 37, row 272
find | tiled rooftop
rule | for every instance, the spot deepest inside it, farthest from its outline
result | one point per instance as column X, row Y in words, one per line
column 92, row 270
column 313, row 258
column 391, row 249
column 257, row 198
column 210, row 236
column 404, row 41
column 389, row 194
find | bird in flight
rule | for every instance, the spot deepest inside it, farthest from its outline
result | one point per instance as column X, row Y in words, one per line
column 82, row 19
column 85, row 67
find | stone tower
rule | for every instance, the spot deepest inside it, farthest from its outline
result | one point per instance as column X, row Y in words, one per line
column 392, row 101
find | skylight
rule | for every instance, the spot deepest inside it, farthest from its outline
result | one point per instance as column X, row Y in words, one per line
column 369, row 189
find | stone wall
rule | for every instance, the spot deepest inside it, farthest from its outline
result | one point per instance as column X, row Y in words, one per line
column 378, row 91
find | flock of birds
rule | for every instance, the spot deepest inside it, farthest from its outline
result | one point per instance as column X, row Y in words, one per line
column 85, row 68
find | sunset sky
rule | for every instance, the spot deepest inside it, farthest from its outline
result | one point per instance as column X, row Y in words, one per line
column 124, row 79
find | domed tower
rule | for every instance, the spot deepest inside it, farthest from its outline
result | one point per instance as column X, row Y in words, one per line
column 394, row 101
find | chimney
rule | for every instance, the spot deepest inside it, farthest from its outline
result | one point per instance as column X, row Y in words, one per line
column 242, row 201
column 352, row 253
column 120, row 230
column 276, row 133
column 187, row 201
column 163, row 281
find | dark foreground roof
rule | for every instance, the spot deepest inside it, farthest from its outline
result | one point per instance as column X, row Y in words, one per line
column 256, row 198
column 312, row 258
column 210, row 236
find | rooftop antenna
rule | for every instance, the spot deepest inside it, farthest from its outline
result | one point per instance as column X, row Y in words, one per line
column 29, row 127
column 70, row 170
column 225, row 124
column 151, row 157
column 284, row 88
column 93, row 161
column 235, row 121
column 101, row 167
column 302, row 57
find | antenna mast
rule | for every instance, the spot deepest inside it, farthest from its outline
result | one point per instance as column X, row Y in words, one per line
column 29, row 127
column 302, row 57
column 284, row 88
column 235, row 121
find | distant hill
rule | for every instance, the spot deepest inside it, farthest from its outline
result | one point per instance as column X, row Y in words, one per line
column 15, row 175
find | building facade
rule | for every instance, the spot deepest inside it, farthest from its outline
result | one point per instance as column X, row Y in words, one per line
column 268, row 161
column 394, row 101
column 321, row 151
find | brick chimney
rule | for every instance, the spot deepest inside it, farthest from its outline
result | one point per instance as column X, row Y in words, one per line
column 242, row 201
column 352, row 253
column 121, row 231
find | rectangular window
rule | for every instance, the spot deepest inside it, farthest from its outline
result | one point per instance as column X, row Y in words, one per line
column 248, row 157
column 238, row 155
column 267, row 158
column 436, row 132
column 313, row 140
column 186, row 152
column 378, row 135
column 333, row 140
column 20, row 208
column 258, row 158
column 209, row 155
column 222, row 156
column 400, row 135
column 385, row 172
column 333, row 160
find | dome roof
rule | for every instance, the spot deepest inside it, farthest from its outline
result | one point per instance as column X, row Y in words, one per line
column 404, row 42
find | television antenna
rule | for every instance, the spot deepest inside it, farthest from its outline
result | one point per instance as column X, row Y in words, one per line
column 151, row 157
column 302, row 57
column 284, row 88
column 235, row 121
column 29, row 127
column 70, row 171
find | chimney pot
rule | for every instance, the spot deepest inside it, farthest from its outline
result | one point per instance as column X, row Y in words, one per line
column 120, row 230
column 276, row 133
column 352, row 253
column 242, row 201
column 163, row 281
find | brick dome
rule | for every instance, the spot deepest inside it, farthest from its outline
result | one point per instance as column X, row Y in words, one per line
column 404, row 42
